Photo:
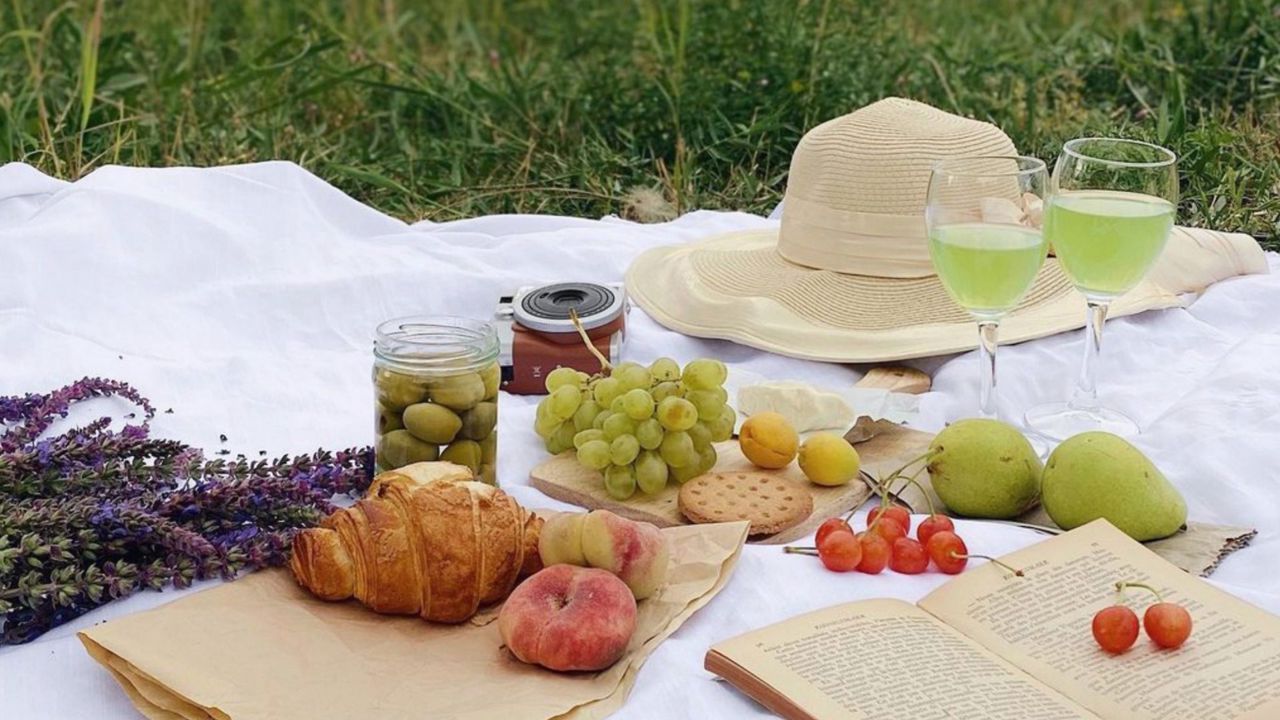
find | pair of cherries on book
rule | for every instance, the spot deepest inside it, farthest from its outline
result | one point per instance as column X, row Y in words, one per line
column 1115, row 628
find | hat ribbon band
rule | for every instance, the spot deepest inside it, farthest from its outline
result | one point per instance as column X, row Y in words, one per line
column 849, row 241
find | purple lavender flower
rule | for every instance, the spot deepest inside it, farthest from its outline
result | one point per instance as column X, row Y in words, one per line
column 92, row 515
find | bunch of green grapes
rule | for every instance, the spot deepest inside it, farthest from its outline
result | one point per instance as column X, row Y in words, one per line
column 638, row 426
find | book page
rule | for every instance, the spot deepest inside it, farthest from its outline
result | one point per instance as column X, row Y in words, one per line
column 887, row 659
column 1228, row 668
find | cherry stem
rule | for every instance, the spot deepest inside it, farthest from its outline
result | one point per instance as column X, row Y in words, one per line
column 586, row 339
column 1123, row 585
column 912, row 481
column 799, row 550
column 990, row 559
column 884, row 487
column 928, row 454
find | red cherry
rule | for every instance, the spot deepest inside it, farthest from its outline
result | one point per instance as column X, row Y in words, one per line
column 909, row 557
column 890, row 530
column 840, row 551
column 1167, row 624
column 933, row 524
column 894, row 513
column 875, row 553
column 947, row 551
column 829, row 526
column 1115, row 628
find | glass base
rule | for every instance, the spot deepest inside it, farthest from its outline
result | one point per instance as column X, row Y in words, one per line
column 1059, row 421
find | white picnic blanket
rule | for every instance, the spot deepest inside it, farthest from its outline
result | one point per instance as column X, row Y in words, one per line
column 244, row 298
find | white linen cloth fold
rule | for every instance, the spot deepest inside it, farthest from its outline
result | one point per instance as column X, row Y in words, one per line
column 245, row 298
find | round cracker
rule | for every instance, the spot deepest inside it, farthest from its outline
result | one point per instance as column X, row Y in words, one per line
column 768, row 502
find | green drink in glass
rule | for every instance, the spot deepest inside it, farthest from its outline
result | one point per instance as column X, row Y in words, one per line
column 984, row 245
column 1106, row 241
column 986, row 268
column 1108, row 218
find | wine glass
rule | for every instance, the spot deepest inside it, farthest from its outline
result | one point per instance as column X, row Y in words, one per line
column 982, row 214
column 1107, row 219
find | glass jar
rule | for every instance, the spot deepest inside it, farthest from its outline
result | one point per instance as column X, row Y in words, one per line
column 435, row 382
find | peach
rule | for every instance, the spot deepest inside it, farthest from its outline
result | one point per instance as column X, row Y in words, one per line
column 634, row 551
column 569, row 618
column 561, row 540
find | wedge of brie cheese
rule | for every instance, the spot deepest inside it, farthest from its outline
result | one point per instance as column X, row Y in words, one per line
column 803, row 405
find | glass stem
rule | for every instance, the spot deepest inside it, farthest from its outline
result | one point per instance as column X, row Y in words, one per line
column 1085, row 396
column 988, row 332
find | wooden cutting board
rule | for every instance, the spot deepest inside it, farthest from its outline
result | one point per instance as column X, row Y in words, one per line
column 564, row 479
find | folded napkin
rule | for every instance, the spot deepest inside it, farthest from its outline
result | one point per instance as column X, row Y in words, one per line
column 1200, row 257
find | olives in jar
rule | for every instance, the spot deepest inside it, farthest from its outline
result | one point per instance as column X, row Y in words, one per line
column 492, row 379
column 387, row 420
column 464, row 452
column 398, row 448
column 436, row 383
column 457, row 392
column 397, row 391
column 478, row 422
column 432, row 423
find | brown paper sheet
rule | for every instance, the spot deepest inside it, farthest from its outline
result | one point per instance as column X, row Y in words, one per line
column 1197, row 549
column 261, row 648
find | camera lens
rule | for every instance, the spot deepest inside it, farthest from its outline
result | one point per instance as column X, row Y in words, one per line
column 569, row 298
column 554, row 302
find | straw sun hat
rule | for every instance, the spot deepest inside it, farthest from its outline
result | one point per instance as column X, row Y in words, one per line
column 847, row 276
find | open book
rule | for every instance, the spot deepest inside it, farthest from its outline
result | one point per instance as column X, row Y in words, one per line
column 993, row 646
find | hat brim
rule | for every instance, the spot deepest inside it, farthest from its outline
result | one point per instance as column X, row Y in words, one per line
column 737, row 287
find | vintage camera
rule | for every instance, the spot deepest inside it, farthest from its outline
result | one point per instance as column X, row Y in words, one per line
column 538, row 336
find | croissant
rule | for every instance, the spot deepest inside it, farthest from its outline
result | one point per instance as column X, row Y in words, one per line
column 424, row 541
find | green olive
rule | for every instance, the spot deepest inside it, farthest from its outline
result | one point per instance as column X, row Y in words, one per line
column 387, row 420
column 489, row 474
column 489, row 449
column 464, row 452
column 397, row 391
column 492, row 377
column 457, row 392
column 432, row 423
column 398, row 448
column 478, row 422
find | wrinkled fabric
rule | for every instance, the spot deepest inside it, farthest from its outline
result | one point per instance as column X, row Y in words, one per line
column 244, row 298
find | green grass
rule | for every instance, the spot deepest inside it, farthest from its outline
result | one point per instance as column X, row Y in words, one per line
column 445, row 108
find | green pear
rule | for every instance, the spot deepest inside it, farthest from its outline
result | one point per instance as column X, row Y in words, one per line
column 1098, row 475
column 984, row 468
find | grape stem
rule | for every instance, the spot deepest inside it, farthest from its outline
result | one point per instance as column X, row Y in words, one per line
column 586, row 339
column 1123, row 585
